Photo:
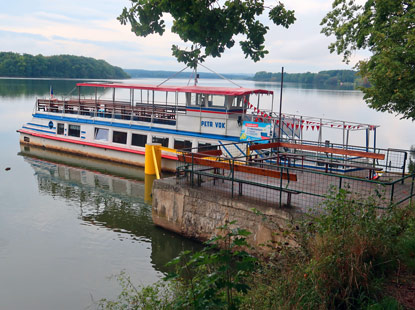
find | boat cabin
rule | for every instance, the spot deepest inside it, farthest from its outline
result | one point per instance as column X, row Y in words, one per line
column 203, row 110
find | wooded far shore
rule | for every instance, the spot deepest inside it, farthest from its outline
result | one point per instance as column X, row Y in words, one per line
column 69, row 66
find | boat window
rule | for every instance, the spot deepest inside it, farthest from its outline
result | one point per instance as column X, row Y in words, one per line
column 74, row 130
column 216, row 101
column 163, row 141
column 182, row 144
column 138, row 140
column 206, row 147
column 60, row 129
column 192, row 99
column 119, row 137
column 101, row 134
column 196, row 99
column 236, row 102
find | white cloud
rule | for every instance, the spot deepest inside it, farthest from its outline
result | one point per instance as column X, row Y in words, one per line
column 60, row 27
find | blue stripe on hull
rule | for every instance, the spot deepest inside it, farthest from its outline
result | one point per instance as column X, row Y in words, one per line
column 43, row 126
column 138, row 127
column 34, row 129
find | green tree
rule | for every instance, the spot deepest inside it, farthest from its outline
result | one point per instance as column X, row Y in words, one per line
column 387, row 29
column 210, row 25
column 60, row 66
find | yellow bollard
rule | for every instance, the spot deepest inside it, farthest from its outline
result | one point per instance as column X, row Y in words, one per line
column 153, row 159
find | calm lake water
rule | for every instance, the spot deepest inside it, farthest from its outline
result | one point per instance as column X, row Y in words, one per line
column 67, row 225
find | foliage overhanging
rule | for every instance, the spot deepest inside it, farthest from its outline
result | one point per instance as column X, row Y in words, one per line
column 387, row 29
column 211, row 26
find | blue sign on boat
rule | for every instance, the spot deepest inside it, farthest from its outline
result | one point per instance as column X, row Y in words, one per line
column 253, row 131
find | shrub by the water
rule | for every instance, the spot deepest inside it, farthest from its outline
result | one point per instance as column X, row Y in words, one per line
column 341, row 260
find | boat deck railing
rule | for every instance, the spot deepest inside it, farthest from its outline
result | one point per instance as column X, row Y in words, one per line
column 161, row 113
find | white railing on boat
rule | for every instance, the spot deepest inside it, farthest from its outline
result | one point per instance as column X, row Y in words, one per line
column 112, row 109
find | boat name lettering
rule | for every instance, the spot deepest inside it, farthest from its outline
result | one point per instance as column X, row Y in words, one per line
column 212, row 124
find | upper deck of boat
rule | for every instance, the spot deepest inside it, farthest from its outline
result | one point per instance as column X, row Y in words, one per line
column 189, row 107
column 150, row 103
column 166, row 114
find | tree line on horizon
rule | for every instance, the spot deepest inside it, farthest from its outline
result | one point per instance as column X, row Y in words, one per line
column 141, row 73
column 59, row 66
column 329, row 78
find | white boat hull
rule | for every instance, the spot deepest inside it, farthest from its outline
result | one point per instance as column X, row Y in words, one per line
column 137, row 158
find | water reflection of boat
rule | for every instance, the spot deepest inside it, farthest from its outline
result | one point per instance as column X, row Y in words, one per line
column 114, row 202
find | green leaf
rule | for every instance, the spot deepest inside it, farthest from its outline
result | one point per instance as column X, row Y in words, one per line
column 210, row 26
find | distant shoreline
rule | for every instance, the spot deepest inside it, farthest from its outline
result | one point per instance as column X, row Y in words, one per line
column 15, row 65
column 332, row 79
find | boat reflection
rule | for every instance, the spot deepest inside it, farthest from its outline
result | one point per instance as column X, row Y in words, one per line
column 116, row 202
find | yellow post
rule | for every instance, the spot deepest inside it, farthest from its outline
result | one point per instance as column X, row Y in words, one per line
column 152, row 164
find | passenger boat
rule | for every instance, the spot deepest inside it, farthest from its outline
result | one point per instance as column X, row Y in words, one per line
column 118, row 130
column 177, row 117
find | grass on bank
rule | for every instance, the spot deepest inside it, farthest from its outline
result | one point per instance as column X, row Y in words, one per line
column 344, row 259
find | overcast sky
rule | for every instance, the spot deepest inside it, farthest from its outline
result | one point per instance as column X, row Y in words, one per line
column 90, row 28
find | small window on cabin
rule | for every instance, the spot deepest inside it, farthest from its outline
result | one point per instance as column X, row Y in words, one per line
column 119, row 137
column 182, row 144
column 60, row 129
column 206, row 147
column 138, row 140
column 74, row 130
column 163, row 141
column 236, row 101
column 198, row 100
column 101, row 134
column 202, row 99
column 216, row 101
column 192, row 99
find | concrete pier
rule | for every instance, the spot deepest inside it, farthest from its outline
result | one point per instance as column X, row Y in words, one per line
column 197, row 212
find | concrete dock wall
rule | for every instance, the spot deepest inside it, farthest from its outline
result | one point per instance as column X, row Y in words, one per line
column 196, row 213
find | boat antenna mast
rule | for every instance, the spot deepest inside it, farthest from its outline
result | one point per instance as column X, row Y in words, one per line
column 196, row 78
column 196, row 75
column 280, row 113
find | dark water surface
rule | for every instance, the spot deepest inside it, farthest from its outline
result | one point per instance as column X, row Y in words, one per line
column 67, row 224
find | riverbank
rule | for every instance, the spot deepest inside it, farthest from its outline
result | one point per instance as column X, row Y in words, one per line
column 350, row 257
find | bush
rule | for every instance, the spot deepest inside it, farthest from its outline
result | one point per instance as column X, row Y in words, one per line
column 157, row 296
column 214, row 278
column 340, row 261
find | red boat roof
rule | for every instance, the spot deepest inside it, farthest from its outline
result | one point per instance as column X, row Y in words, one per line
column 184, row 89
